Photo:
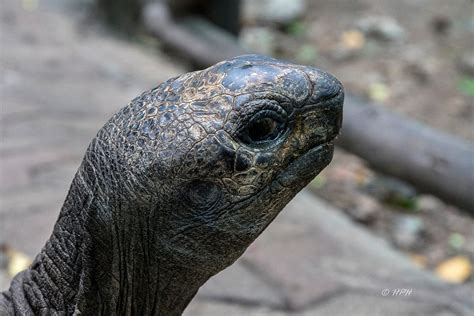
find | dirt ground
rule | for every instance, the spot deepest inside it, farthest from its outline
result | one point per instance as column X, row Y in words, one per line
column 423, row 72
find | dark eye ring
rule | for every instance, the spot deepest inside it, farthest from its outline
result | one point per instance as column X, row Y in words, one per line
column 263, row 128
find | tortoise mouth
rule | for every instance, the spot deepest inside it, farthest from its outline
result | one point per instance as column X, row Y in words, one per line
column 307, row 166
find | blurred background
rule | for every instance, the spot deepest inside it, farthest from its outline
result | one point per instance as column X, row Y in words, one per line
column 393, row 210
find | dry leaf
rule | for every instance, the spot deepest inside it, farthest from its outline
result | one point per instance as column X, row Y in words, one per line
column 17, row 262
column 353, row 39
column 455, row 270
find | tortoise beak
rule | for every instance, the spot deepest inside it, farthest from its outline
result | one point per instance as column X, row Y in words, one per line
column 327, row 96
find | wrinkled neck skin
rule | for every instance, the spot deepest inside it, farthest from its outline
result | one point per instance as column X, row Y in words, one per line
column 99, row 263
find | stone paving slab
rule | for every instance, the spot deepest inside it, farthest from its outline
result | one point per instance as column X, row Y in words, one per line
column 242, row 285
column 58, row 85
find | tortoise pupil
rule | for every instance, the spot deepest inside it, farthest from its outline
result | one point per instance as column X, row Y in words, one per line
column 262, row 129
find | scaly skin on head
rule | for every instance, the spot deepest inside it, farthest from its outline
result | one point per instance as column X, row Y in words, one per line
column 178, row 183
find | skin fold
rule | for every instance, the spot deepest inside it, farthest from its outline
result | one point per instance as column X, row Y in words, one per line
column 177, row 184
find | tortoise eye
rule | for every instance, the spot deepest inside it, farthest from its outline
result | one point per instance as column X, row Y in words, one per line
column 263, row 122
column 262, row 130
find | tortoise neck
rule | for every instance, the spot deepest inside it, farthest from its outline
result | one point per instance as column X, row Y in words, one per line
column 55, row 279
column 96, row 261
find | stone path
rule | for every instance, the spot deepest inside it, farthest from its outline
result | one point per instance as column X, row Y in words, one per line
column 60, row 81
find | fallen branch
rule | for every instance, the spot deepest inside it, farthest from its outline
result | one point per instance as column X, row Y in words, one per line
column 193, row 37
column 433, row 161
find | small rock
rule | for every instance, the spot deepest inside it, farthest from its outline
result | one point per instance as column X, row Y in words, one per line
column 273, row 11
column 408, row 232
column 421, row 71
column 364, row 210
column 466, row 64
column 441, row 24
column 382, row 27
column 429, row 203
column 393, row 192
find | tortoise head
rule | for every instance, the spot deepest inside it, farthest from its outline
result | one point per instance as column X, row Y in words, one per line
column 213, row 156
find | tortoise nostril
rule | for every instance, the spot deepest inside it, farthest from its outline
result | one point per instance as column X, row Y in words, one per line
column 327, row 87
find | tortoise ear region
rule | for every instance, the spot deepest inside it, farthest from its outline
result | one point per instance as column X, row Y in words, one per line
column 203, row 194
